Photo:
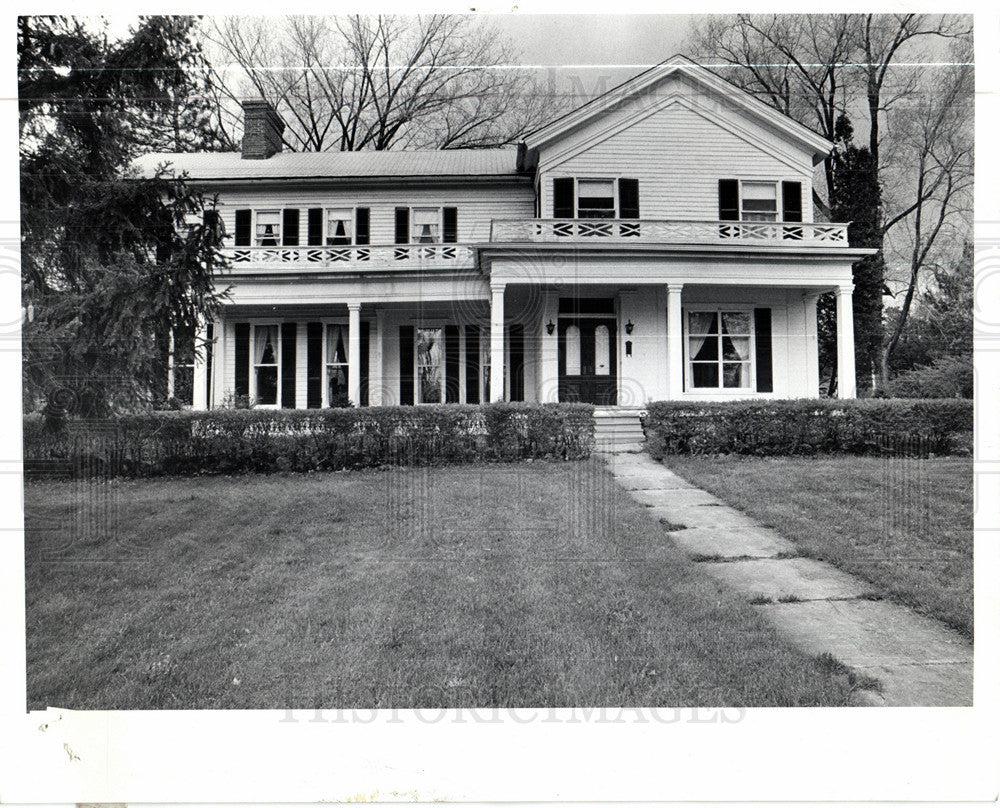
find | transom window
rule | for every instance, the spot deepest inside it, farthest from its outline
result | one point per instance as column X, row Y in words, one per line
column 268, row 228
column 719, row 349
column 266, row 365
column 339, row 226
column 759, row 201
column 595, row 199
column 426, row 225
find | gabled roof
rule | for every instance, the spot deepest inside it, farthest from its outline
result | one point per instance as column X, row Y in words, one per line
column 635, row 86
column 323, row 165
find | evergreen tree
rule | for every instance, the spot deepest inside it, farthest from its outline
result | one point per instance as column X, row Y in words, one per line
column 856, row 197
column 111, row 263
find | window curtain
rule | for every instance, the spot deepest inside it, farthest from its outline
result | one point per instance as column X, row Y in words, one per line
column 261, row 336
column 335, row 352
column 700, row 326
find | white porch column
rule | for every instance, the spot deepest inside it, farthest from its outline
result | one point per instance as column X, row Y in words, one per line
column 846, row 381
column 354, row 353
column 496, row 343
column 199, row 396
column 675, row 341
column 809, row 300
column 376, row 383
column 548, row 375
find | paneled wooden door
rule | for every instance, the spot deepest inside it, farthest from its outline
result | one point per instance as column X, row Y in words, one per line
column 588, row 360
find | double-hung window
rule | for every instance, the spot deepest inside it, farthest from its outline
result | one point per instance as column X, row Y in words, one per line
column 430, row 365
column 719, row 349
column 426, row 226
column 595, row 199
column 759, row 201
column 267, row 231
column 266, row 360
column 336, row 364
column 339, row 226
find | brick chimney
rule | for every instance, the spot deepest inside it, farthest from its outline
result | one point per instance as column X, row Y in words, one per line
column 262, row 128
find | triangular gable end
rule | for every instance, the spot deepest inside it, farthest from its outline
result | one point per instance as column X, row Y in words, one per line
column 575, row 149
column 644, row 82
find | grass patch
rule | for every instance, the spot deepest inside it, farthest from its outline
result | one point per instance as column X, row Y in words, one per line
column 903, row 525
column 482, row 585
column 856, row 680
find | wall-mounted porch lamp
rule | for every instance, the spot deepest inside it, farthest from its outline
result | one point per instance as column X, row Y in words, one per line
column 550, row 327
column 629, row 326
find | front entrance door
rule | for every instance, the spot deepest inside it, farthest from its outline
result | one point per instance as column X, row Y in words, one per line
column 588, row 361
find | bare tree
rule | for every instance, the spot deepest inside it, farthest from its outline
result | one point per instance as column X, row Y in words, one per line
column 933, row 207
column 376, row 82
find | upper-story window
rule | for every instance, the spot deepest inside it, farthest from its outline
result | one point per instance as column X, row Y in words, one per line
column 595, row 198
column 339, row 226
column 426, row 225
column 760, row 201
column 267, row 228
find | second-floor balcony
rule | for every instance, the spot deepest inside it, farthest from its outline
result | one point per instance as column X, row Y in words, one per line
column 576, row 232
column 667, row 231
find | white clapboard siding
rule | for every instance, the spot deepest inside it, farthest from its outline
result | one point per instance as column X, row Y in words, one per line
column 678, row 153
column 478, row 204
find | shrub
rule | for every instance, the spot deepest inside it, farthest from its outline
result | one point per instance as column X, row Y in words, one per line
column 872, row 426
column 228, row 441
column 946, row 377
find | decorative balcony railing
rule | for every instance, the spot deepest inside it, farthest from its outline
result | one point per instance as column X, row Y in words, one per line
column 660, row 231
column 398, row 256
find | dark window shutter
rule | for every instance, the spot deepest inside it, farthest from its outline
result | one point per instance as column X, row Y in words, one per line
column 406, row 364
column 791, row 201
column 243, row 227
column 563, row 201
column 210, row 218
column 241, row 356
column 451, row 367
column 402, row 225
column 209, row 346
column 314, row 365
column 365, row 372
column 517, row 362
column 729, row 200
column 314, row 234
column 362, row 226
column 762, row 337
column 450, row 225
column 290, row 227
column 628, row 199
column 288, row 365
column 472, row 364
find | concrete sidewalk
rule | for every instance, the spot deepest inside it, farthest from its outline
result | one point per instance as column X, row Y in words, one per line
column 918, row 660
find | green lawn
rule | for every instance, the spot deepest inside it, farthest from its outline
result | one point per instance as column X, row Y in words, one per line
column 904, row 525
column 536, row 584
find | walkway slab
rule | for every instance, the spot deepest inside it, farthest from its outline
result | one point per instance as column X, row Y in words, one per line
column 919, row 661
column 801, row 578
column 755, row 542
column 703, row 516
column 642, row 481
column 674, row 497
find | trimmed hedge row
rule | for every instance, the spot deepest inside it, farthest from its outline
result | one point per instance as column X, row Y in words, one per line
column 237, row 441
column 864, row 426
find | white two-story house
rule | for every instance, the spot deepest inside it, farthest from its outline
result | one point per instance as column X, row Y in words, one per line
column 656, row 243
